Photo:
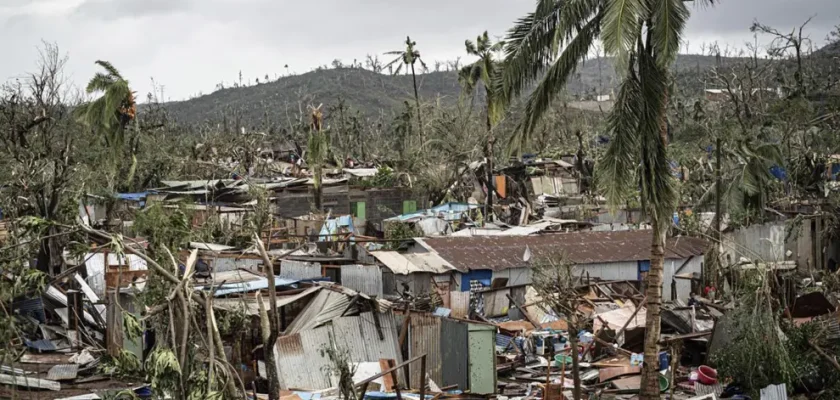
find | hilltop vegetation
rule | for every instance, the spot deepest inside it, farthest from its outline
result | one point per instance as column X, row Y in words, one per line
column 374, row 93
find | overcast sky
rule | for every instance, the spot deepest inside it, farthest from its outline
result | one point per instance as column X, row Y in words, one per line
column 191, row 45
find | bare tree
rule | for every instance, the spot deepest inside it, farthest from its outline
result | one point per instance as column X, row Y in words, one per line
column 37, row 149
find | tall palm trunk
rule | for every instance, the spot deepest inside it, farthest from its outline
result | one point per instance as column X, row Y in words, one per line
column 417, row 101
column 653, row 327
column 573, row 343
column 488, row 154
column 317, row 189
column 650, row 371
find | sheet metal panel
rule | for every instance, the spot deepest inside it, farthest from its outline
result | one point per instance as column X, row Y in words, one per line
column 424, row 338
column 496, row 303
column 299, row 362
column 613, row 271
column 482, row 349
column 459, row 302
column 63, row 372
column 95, row 266
column 515, row 276
column 299, row 270
column 774, row 392
column 366, row 279
column 325, row 307
column 454, row 348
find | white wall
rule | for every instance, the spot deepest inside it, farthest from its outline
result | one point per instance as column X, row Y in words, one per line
column 616, row 271
column 683, row 285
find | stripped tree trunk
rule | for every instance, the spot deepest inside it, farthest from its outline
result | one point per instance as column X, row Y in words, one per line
column 653, row 328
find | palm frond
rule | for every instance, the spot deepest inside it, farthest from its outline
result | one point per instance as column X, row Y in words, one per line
column 622, row 26
column 471, row 47
column 99, row 83
column 556, row 77
column 615, row 170
column 528, row 47
column 109, row 68
column 659, row 194
column 669, row 17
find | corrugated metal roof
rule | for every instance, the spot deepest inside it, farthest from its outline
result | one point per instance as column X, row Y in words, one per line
column 63, row 372
column 326, row 306
column 502, row 252
column 252, row 306
column 249, row 286
column 406, row 263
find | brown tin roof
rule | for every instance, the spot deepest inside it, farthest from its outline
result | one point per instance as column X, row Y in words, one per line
column 503, row 252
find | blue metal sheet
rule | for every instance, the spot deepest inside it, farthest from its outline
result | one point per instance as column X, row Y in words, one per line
column 40, row 345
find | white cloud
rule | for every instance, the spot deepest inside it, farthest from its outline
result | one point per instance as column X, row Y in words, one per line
column 191, row 45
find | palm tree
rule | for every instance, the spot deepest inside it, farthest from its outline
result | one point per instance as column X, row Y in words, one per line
column 409, row 57
column 110, row 114
column 316, row 153
column 113, row 110
column 643, row 37
column 485, row 71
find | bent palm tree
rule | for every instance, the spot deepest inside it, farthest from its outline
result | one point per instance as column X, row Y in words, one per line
column 409, row 57
column 110, row 114
column 644, row 37
column 485, row 71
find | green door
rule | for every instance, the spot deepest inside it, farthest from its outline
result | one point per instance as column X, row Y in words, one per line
column 482, row 342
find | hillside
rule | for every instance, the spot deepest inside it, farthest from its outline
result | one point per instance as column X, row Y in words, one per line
column 373, row 93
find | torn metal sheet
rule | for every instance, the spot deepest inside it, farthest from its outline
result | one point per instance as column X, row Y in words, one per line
column 29, row 382
column 63, row 372
column 91, row 295
column 41, row 345
column 91, row 396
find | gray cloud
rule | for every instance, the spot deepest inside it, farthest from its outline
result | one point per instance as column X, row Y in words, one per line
column 190, row 45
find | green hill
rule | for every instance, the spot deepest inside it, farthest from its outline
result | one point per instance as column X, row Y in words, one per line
column 373, row 93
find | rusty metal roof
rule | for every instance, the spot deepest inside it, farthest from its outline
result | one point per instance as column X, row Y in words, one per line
column 503, row 252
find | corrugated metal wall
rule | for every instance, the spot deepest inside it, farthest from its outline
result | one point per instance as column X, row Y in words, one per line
column 220, row 264
column 299, row 270
column 362, row 278
column 299, row 362
column 459, row 303
column 424, row 338
column 756, row 242
column 454, row 349
column 617, row 271
column 515, row 276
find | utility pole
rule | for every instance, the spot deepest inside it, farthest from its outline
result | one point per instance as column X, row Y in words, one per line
column 718, row 195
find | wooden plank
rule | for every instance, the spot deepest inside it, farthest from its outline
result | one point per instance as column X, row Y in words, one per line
column 118, row 278
column 33, row 358
column 388, row 380
column 29, row 382
column 606, row 374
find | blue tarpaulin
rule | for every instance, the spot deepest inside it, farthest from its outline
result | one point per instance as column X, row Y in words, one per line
column 779, row 172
